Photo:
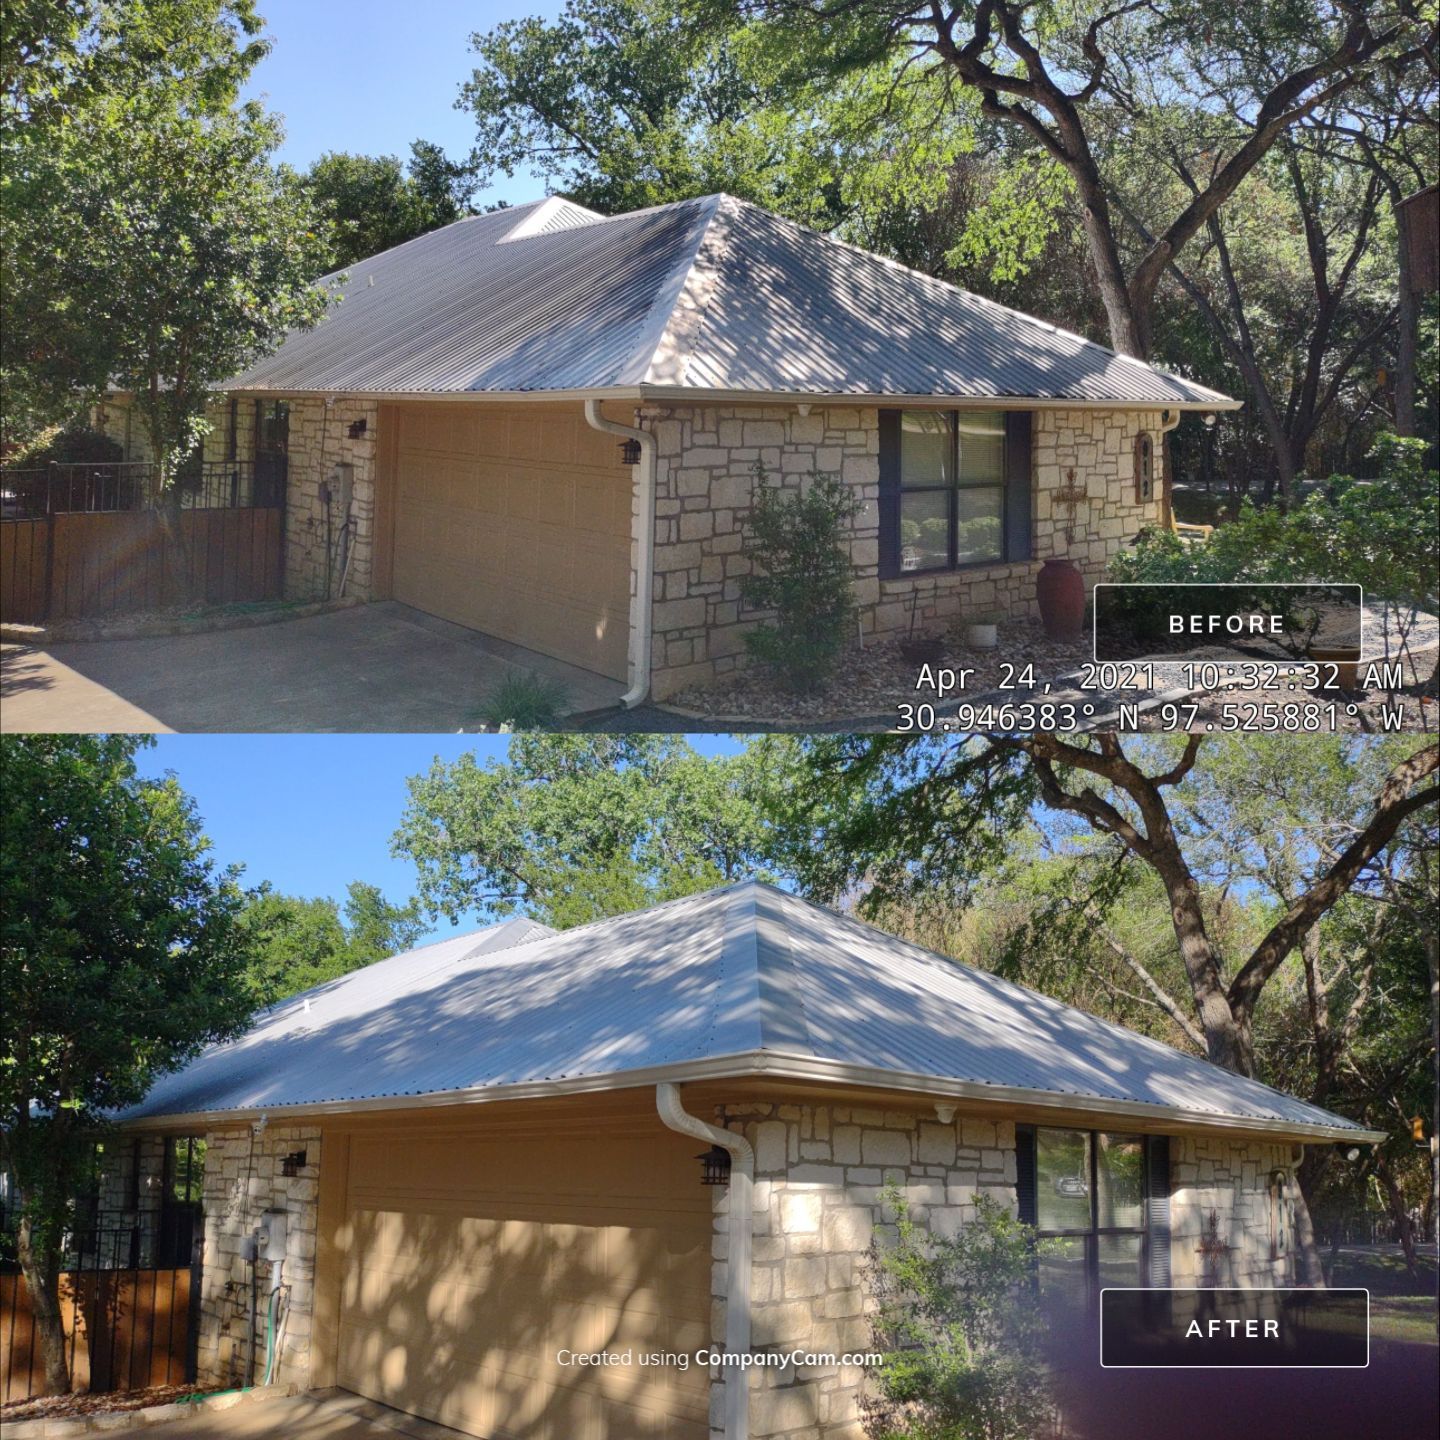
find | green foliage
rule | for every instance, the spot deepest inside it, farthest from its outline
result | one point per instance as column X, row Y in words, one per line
column 797, row 542
column 298, row 943
column 375, row 203
column 122, row 953
column 525, row 701
column 149, row 242
column 959, row 1326
column 1383, row 534
column 572, row 828
column 76, row 444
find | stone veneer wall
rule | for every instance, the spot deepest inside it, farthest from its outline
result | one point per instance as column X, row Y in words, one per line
column 117, row 419
column 819, row 1174
column 243, row 1179
column 705, row 480
column 1231, row 1179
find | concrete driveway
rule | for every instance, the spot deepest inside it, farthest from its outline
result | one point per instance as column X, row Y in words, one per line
column 382, row 667
column 321, row 1415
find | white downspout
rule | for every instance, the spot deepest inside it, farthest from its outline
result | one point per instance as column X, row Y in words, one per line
column 643, row 535
column 737, row 1255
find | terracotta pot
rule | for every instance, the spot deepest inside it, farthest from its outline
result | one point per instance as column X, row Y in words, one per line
column 1060, row 589
column 1346, row 661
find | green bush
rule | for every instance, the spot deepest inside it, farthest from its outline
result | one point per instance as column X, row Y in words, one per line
column 797, row 543
column 1381, row 534
column 959, row 1328
column 77, row 444
column 524, row 701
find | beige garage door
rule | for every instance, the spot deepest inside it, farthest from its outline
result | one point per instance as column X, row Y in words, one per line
column 515, row 520
column 473, row 1263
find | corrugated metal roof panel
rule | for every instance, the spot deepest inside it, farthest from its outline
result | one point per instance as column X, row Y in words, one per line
column 704, row 295
column 732, row 972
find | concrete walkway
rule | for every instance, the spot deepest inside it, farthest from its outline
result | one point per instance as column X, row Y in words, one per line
column 321, row 1415
column 380, row 668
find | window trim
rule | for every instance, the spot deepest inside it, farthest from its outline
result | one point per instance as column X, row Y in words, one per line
column 1014, row 489
column 1152, row 1232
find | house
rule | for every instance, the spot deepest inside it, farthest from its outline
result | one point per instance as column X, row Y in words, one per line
column 489, row 1155
column 547, row 424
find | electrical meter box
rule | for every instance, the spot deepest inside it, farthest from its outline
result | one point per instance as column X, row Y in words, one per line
column 272, row 1235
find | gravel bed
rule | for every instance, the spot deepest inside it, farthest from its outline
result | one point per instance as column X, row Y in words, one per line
column 64, row 1407
column 878, row 679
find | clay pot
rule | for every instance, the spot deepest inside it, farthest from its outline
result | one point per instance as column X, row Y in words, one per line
column 1060, row 589
column 1346, row 661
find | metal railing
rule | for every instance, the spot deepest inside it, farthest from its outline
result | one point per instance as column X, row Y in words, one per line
column 127, row 486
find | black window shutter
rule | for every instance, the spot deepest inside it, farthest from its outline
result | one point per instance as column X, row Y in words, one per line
column 1019, row 425
column 1157, row 1209
column 889, row 494
column 1025, row 1192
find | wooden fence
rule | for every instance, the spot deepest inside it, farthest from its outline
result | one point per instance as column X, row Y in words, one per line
column 67, row 566
column 124, row 1330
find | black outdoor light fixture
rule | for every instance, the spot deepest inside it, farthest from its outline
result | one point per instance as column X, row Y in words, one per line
column 714, row 1166
column 292, row 1163
column 358, row 428
column 630, row 455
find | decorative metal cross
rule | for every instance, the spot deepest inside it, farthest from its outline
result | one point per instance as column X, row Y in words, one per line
column 1068, row 497
column 1212, row 1249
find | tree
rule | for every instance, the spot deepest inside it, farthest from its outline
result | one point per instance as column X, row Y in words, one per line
column 903, row 814
column 300, row 943
column 573, row 828
column 122, row 953
column 375, row 203
column 150, row 243
column 1085, row 85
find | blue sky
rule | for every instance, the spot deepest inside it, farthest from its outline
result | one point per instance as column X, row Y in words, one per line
column 370, row 76
column 310, row 813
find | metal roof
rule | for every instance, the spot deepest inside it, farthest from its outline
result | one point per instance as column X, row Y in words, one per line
column 746, row 974
column 702, row 296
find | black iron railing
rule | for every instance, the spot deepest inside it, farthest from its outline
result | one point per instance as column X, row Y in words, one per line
column 121, row 486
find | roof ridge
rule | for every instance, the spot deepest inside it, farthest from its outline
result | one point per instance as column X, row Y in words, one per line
column 416, row 239
column 670, row 297
column 1034, row 320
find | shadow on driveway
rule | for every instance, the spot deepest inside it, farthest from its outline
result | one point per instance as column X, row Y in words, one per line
column 381, row 668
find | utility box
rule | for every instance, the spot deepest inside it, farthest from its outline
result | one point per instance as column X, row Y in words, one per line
column 271, row 1232
column 342, row 486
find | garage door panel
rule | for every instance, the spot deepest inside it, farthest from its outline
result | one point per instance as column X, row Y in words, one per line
column 473, row 1262
column 512, row 521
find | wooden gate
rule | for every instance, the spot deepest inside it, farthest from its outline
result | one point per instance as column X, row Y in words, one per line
column 124, row 1330
column 108, row 555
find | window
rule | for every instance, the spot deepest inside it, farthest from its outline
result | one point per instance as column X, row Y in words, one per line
column 954, row 489
column 1103, row 1201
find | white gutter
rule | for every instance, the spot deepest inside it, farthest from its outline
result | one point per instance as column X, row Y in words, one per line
column 737, row 1253
column 643, row 537
column 747, row 1064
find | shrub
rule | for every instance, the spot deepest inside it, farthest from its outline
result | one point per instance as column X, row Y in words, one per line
column 524, row 701
column 798, row 545
column 959, row 1328
column 76, row 444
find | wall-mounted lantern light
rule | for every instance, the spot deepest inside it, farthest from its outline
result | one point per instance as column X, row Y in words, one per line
column 292, row 1163
column 358, row 428
column 1417, row 1132
column 714, row 1166
column 630, row 452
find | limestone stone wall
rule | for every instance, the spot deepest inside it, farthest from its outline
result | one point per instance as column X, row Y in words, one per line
column 705, row 483
column 820, row 1171
column 319, row 440
column 117, row 418
column 1245, row 1184
column 242, row 1180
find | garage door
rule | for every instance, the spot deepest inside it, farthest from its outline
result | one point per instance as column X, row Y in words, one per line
column 516, row 521
column 474, row 1263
